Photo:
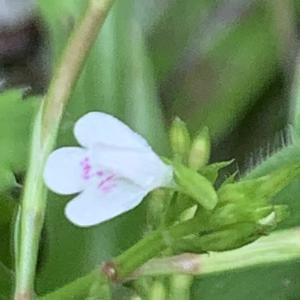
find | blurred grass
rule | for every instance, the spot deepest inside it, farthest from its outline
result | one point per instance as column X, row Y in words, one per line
column 219, row 88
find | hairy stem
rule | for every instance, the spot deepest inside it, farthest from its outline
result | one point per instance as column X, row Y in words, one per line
column 31, row 215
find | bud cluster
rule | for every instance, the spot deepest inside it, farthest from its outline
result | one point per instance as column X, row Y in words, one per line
column 230, row 215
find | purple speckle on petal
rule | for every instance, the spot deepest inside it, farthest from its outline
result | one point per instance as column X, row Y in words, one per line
column 99, row 173
column 107, row 184
column 107, row 179
column 86, row 168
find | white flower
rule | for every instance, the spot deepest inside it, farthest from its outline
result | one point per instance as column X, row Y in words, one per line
column 113, row 170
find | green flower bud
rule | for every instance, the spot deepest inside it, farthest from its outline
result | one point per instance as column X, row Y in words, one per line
column 180, row 140
column 196, row 186
column 200, row 150
column 246, row 192
column 271, row 216
column 235, row 213
column 229, row 214
column 234, row 236
column 275, row 181
column 258, row 192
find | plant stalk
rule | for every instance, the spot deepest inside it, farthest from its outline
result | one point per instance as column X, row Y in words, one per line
column 32, row 210
column 277, row 248
column 122, row 266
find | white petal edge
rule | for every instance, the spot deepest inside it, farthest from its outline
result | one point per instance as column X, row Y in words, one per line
column 144, row 167
column 101, row 128
column 93, row 206
column 63, row 172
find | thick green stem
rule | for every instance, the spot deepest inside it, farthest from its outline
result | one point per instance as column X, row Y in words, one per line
column 279, row 247
column 30, row 220
column 158, row 291
column 73, row 60
column 31, row 216
column 123, row 265
column 180, row 287
column 151, row 246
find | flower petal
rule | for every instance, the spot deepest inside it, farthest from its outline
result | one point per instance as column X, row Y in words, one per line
column 94, row 205
column 63, row 170
column 97, row 127
column 143, row 167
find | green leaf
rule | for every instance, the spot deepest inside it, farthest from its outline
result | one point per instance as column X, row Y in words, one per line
column 16, row 116
column 196, row 186
column 8, row 207
column 284, row 157
column 6, row 282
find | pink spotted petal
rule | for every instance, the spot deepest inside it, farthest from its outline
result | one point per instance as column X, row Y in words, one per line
column 66, row 170
column 142, row 167
column 96, row 205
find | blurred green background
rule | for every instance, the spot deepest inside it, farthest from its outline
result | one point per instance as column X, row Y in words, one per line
column 228, row 65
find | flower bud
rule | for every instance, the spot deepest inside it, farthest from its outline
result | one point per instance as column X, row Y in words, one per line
column 234, row 236
column 180, row 140
column 249, row 200
column 231, row 213
column 196, row 186
column 200, row 150
column 269, row 185
column 272, row 215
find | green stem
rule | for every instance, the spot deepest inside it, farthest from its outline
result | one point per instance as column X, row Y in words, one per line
column 279, row 247
column 180, row 286
column 152, row 245
column 123, row 265
column 31, row 217
column 158, row 291
column 73, row 60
